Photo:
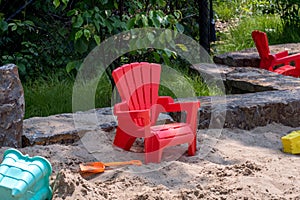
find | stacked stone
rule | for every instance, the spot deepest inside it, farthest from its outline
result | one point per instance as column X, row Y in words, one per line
column 12, row 107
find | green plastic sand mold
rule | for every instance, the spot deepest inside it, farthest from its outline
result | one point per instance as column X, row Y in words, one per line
column 23, row 177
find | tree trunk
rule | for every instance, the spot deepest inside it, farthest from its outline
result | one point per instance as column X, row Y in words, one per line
column 204, row 23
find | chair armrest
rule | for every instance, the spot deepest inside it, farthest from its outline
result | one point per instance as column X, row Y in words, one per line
column 286, row 60
column 135, row 123
column 120, row 107
column 191, row 109
column 134, row 114
column 165, row 100
column 122, row 110
column 281, row 54
column 182, row 106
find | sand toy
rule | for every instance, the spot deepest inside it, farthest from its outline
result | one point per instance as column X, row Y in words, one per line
column 98, row 167
column 23, row 177
column 291, row 142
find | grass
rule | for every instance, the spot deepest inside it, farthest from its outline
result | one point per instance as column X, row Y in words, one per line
column 45, row 97
column 226, row 10
column 239, row 35
column 53, row 95
column 251, row 15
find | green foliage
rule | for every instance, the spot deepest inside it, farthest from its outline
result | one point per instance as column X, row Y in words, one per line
column 93, row 23
column 289, row 11
column 35, row 38
column 48, row 36
column 42, row 36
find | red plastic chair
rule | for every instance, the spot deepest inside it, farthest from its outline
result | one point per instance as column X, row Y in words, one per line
column 279, row 62
column 138, row 85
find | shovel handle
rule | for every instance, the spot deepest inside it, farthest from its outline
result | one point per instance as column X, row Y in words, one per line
column 131, row 162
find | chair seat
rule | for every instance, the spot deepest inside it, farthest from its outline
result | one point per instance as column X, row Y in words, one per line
column 288, row 70
column 284, row 69
column 167, row 131
column 165, row 136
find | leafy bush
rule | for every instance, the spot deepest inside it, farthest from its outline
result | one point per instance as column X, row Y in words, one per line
column 34, row 37
column 289, row 11
column 42, row 36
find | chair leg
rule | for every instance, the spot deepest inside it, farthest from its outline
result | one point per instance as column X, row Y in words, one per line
column 192, row 148
column 123, row 140
column 154, row 156
column 153, row 151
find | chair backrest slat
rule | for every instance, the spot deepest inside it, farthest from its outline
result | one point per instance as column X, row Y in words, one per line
column 155, row 80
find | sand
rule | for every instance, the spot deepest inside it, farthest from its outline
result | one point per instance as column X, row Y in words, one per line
column 230, row 164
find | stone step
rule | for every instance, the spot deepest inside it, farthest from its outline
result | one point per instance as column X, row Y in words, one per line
column 248, row 111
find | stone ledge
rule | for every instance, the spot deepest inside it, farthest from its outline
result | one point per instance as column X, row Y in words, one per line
column 250, row 80
column 61, row 129
column 248, row 111
column 245, row 111
column 261, row 97
column 238, row 80
column 250, row 57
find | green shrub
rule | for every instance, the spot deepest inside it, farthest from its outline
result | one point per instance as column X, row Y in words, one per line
column 289, row 11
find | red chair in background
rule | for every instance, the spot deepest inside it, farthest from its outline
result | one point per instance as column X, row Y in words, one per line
column 281, row 62
column 138, row 85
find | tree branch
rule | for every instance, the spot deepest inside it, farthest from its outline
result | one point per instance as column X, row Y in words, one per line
column 19, row 10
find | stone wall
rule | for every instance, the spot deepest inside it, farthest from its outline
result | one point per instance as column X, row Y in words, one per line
column 11, row 107
column 248, row 111
column 256, row 97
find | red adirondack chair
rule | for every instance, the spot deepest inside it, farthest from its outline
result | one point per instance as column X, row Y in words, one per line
column 138, row 85
column 281, row 62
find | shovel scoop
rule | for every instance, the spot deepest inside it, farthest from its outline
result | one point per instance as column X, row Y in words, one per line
column 98, row 167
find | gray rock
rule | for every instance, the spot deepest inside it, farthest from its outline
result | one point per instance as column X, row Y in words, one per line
column 61, row 128
column 11, row 107
column 248, row 80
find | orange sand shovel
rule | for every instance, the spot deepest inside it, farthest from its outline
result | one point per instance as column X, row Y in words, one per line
column 98, row 167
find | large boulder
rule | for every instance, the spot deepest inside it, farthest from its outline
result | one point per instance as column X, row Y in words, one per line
column 11, row 107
